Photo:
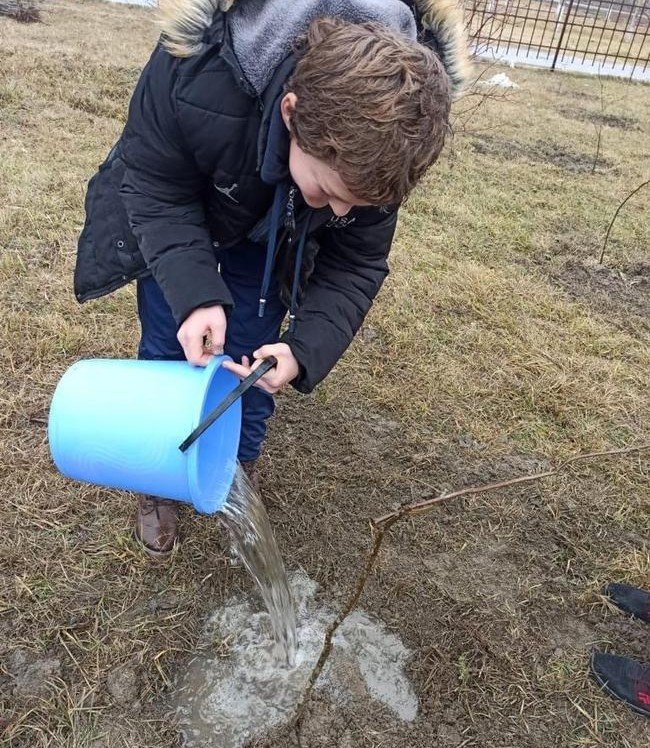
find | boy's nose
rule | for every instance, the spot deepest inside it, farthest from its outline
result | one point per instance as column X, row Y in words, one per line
column 339, row 208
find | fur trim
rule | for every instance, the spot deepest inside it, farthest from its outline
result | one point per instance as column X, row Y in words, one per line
column 184, row 21
column 444, row 18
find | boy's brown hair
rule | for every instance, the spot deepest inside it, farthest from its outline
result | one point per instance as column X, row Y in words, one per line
column 371, row 104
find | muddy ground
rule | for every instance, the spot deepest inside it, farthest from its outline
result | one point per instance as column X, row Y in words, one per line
column 500, row 345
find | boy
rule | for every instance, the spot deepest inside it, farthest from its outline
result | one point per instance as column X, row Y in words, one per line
column 267, row 148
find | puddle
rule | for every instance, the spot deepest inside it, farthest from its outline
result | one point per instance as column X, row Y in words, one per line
column 234, row 690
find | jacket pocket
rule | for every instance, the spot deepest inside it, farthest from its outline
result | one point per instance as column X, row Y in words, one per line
column 107, row 252
column 234, row 204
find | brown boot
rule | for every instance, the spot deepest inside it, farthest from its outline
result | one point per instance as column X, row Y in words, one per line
column 157, row 525
column 252, row 473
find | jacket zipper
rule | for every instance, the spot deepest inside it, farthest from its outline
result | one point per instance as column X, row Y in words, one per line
column 290, row 216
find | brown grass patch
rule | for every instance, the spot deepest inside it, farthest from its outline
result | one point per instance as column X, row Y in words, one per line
column 481, row 360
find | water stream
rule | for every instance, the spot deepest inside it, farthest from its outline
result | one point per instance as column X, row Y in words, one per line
column 248, row 524
column 254, row 680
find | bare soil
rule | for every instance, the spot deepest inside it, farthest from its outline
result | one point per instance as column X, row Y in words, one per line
column 542, row 151
column 622, row 293
column 618, row 121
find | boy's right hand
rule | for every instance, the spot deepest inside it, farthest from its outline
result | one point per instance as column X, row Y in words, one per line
column 209, row 323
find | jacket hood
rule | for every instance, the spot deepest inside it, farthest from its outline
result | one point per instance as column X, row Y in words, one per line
column 184, row 22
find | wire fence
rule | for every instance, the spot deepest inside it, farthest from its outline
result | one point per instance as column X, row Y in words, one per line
column 610, row 37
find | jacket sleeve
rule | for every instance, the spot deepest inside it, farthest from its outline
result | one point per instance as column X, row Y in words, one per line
column 350, row 268
column 162, row 191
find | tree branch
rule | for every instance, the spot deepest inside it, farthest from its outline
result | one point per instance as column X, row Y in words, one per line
column 602, row 254
column 380, row 527
column 426, row 504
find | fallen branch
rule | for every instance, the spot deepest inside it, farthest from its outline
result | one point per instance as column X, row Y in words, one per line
column 381, row 525
column 602, row 254
column 426, row 504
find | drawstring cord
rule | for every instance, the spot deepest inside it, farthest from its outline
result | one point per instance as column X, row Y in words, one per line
column 281, row 194
column 271, row 243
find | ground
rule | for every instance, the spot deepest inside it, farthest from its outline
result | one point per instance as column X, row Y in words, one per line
column 499, row 344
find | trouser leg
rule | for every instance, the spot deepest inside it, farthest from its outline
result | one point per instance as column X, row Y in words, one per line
column 157, row 519
column 158, row 340
column 242, row 268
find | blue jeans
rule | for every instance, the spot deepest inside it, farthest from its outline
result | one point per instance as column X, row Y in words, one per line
column 242, row 268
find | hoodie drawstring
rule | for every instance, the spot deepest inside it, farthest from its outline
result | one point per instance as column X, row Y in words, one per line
column 280, row 196
column 271, row 244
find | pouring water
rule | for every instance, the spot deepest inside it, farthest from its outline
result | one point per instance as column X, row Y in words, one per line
column 248, row 524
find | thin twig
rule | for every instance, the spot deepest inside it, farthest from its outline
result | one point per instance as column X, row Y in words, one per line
column 599, row 130
column 351, row 603
column 602, row 254
column 461, row 118
column 426, row 504
column 599, row 127
column 380, row 527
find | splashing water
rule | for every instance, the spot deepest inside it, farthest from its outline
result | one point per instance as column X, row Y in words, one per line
column 248, row 524
column 254, row 682
column 230, row 696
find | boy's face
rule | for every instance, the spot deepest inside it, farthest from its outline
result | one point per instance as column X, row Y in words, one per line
column 319, row 184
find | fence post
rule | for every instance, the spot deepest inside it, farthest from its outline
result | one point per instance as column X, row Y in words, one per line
column 561, row 39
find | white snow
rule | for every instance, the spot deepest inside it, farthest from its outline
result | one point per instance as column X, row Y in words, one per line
column 501, row 80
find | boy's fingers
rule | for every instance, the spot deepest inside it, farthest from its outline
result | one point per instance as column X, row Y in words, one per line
column 217, row 339
column 265, row 351
column 256, row 364
column 264, row 385
column 270, row 382
column 238, row 369
column 274, row 378
column 195, row 352
column 243, row 369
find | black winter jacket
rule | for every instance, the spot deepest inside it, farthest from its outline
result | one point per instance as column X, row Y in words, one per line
column 186, row 176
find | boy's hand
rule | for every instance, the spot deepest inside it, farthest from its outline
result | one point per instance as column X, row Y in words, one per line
column 203, row 323
column 282, row 373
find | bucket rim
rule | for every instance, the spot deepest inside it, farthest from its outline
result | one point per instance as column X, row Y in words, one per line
column 211, row 503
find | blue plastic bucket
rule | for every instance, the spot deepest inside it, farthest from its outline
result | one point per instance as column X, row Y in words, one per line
column 119, row 424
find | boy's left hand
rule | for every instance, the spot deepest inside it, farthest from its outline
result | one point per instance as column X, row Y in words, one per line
column 273, row 381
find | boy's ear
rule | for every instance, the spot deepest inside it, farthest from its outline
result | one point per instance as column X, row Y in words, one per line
column 287, row 108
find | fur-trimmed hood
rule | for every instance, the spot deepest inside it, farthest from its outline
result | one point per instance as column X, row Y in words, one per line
column 183, row 23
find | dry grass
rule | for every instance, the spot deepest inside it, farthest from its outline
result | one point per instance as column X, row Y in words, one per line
column 497, row 343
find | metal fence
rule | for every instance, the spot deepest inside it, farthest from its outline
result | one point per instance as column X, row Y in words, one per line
column 610, row 37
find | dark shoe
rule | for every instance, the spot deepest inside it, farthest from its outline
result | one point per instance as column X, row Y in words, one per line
column 624, row 679
column 630, row 599
column 250, row 468
column 157, row 525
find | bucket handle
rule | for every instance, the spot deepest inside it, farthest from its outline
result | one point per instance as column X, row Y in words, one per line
column 223, row 406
